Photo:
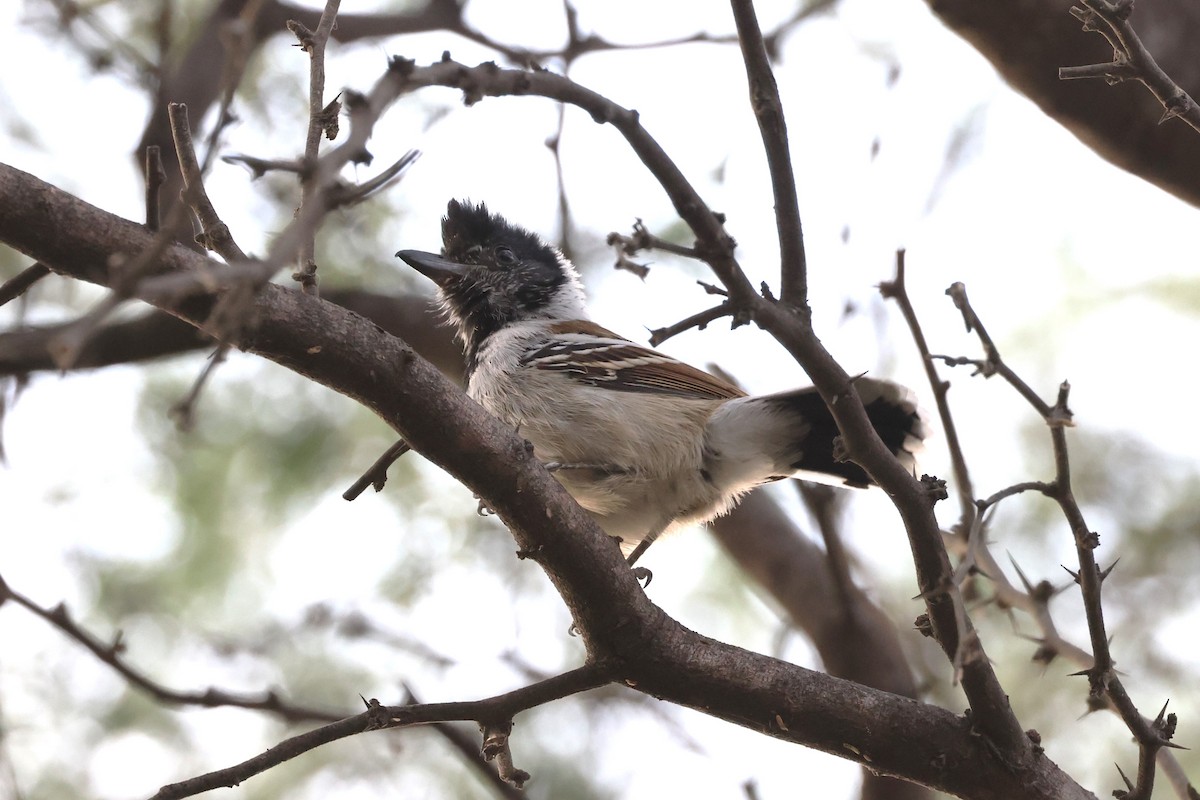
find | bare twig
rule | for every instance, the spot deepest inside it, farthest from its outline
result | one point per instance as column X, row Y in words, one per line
column 1032, row 598
column 69, row 342
column 184, row 411
column 642, row 239
column 377, row 475
column 768, row 110
column 469, row 749
column 698, row 321
column 994, row 365
column 215, row 233
column 896, row 289
column 1131, row 59
column 322, row 121
column 113, row 48
column 20, row 283
column 285, row 246
column 261, row 166
column 496, row 748
column 237, row 36
column 580, row 44
column 1104, row 683
column 651, row 651
column 491, row 713
column 353, row 195
column 553, row 144
column 113, row 654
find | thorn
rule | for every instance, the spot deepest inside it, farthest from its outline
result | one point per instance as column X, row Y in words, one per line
column 1162, row 712
column 1104, row 574
column 1127, row 783
column 1029, row 589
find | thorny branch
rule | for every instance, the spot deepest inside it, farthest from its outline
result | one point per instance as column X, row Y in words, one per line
column 1131, row 59
column 1104, row 683
column 494, row 716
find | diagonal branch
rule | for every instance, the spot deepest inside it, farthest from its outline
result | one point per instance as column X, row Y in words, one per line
column 489, row 713
column 897, row 290
column 768, row 110
column 112, row 654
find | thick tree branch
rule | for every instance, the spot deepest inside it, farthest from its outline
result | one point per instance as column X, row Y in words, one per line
column 1027, row 41
column 619, row 626
column 854, row 638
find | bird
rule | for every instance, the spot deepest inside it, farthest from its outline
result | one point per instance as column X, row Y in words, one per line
column 647, row 444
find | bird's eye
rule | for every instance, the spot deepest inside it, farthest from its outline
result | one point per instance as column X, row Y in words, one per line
column 505, row 257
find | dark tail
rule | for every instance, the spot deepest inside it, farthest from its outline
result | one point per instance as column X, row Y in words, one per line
column 889, row 407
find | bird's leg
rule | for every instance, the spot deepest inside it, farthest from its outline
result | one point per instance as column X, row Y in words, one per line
column 641, row 573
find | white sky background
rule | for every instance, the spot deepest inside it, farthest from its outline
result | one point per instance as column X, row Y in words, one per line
column 1029, row 216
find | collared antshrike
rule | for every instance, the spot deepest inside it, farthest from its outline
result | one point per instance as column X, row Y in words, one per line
column 644, row 442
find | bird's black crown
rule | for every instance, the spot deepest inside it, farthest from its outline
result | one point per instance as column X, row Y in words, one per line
column 470, row 231
column 492, row 273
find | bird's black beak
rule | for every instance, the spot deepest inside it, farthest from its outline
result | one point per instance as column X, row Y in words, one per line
column 432, row 266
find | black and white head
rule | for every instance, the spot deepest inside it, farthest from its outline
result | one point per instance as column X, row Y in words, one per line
column 492, row 273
